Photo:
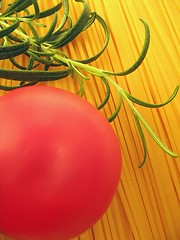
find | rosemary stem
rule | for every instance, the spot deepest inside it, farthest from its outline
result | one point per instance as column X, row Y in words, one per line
column 85, row 67
column 101, row 73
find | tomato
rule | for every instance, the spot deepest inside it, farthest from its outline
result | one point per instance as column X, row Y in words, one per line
column 60, row 164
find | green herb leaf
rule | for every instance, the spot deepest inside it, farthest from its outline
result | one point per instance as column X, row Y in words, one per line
column 13, row 50
column 115, row 114
column 10, row 29
column 142, row 139
column 23, row 5
column 107, row 37
column 39, row 59
column 11, row 37
column 76, row 28
column 16, row 64
column 45, row 13
column 153, row 135
column 34, row 31
column 16, row 6
column 108, row 93
column 65, row 16
column 9, row 88
column 34, row 75
column 91, row 20
column 141, row 56
column 49, row 33
column 36, row 9
column 150, row 105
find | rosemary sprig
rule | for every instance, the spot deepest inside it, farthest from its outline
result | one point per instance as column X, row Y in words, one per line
column 45, row 52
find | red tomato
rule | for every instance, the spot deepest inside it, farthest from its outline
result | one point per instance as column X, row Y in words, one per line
column 60, row 164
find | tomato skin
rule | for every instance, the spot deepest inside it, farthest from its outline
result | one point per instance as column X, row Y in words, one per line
column 60, row 164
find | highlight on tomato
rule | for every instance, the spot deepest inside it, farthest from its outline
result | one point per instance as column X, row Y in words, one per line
column 60, row 164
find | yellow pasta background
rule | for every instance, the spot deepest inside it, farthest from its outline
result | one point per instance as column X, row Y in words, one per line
column 146, row 204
